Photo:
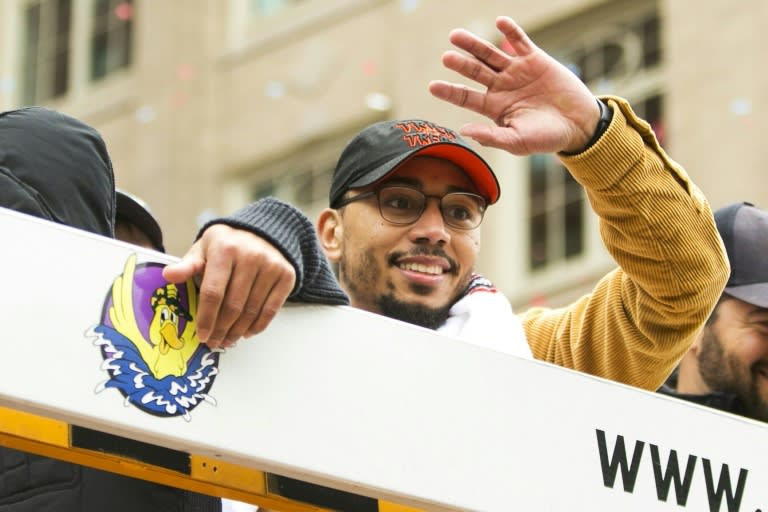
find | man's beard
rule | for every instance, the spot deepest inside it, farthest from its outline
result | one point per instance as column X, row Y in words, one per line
column 417, row 314
column 725, row 373
column 360, row 280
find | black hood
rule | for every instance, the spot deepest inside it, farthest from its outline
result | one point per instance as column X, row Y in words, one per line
column 56, row 167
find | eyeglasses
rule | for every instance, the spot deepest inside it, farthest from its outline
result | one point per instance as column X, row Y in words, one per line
column 405, row 205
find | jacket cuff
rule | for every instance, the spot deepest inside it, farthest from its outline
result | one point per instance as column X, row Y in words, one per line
column 293, row 234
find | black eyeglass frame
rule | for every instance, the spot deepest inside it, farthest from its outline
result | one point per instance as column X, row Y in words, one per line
column 375, row 193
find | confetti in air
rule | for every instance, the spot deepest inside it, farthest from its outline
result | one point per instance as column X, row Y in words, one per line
column 124, row 11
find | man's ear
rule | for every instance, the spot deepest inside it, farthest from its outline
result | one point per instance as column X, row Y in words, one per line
column 696, row 345
column 330, row 230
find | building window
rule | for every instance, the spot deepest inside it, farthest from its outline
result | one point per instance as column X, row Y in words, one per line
column 611, row 58
column 307, row 190
column 46, row 57
column 111, row 36
column 632, row 47
column 270, row 7
column 301, row 177
column 556, row 214
column 628, row 51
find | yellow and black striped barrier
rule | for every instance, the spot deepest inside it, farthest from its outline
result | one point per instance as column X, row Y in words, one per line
column 205, row 475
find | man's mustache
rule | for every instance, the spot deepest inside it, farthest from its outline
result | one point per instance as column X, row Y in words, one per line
column 395, row 257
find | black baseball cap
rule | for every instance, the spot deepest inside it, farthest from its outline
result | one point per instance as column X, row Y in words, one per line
column 377, row 151
column 744, row 230
column 136, row 211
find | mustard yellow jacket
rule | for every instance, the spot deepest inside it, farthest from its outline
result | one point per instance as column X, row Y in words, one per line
column 641, row 318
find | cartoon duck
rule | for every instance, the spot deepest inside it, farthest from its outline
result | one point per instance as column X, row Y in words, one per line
column 167, row 351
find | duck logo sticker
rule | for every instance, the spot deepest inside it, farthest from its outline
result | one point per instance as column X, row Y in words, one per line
column 149, row 345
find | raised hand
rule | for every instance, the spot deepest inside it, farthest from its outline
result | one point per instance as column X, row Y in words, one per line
column 538, row 105
column 244, row 281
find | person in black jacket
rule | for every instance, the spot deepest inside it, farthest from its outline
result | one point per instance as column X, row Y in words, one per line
column 727, row 366
column 134, row 222
column 57, row 168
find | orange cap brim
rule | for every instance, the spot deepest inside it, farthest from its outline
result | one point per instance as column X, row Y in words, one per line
column 471, row 163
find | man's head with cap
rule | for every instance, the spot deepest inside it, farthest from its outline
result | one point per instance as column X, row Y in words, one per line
column 730, row 355
column 744, row 230
column 380, row 148
column 134, row 222
column 406, row 201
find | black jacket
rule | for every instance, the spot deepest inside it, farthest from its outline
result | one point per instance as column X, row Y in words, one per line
column 55, row 167
column 722, row 401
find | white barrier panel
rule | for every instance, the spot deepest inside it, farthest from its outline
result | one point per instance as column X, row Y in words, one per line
column 347, row 399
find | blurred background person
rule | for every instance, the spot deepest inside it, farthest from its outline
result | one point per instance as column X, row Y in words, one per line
column 57, row 168
column 134, row 222
column 727, row 366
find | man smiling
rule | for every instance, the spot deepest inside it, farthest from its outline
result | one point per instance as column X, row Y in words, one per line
column 408, row 196
column 727, row 366
column 420, row 189
column 406, row 202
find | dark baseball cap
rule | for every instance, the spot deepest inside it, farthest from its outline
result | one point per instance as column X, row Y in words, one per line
column 135, row 210
column 377, row 151
column 744, row 230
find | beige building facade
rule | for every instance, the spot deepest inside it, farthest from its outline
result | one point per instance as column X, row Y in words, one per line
column 207, row 105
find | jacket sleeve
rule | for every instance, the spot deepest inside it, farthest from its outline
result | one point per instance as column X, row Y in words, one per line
column 642, row 317
column 293, row 234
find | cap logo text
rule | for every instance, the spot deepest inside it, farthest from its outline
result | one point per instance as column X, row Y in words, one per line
column 423, row 133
